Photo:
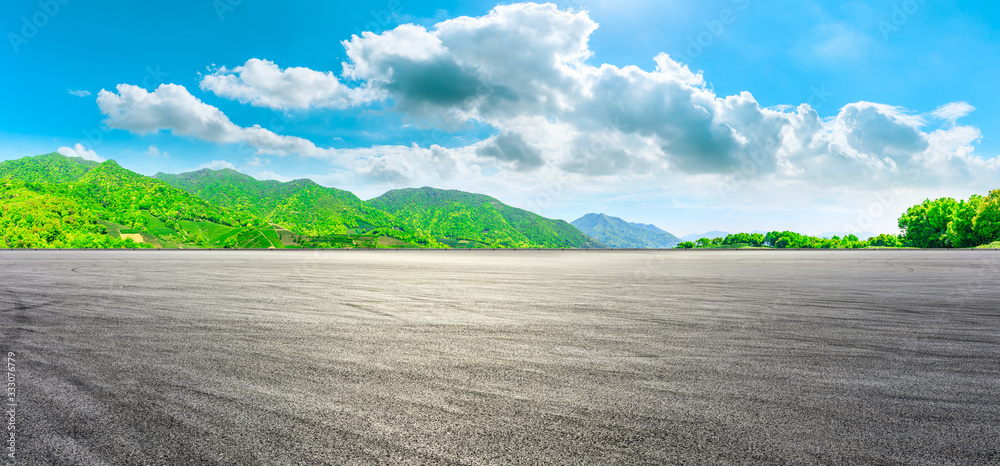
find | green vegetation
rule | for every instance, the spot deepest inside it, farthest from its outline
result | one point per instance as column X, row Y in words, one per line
column 105, row 205
column 53, row 201
column 947, row 223
column 47, row 168
column 324, row 216
column 617, row 233
column 779, row 240
column 941, row 223
column 124, row 196
column 31, row 218
column 148, row 211
column 480, row 221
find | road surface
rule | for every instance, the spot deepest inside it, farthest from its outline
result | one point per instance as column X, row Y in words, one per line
column 483, row 357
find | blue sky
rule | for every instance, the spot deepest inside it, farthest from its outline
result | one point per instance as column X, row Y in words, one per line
column 694, row 116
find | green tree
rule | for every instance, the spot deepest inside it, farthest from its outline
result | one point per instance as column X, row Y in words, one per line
column 885, row 241
column 961, row 233
column 986, row 224
column 926, row 225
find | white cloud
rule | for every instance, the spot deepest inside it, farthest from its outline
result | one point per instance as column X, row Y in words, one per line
column 154, row 152
column 523, row 69
column 257, row 161
column 217, row 165
column 172, row 108
column 80, row 151
column 526, row 70
column 262, row 83
column 953, row 111
column 79, row 93
column 270, row 175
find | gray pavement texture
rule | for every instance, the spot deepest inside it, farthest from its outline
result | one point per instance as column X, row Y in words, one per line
column 483, row 357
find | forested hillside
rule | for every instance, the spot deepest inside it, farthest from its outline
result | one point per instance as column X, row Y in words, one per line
column 46, row 168
column 300, row 205
column 463, row 219
column 105, row 205
column 32, row 218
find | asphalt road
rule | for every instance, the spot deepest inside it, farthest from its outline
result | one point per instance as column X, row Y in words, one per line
column 594, row 357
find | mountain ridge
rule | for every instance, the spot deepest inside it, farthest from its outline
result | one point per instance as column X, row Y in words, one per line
column 225, row 208
column 462, row 218
column 618, row 233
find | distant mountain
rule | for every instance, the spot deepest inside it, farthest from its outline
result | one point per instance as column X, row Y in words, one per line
column 618, row 233
column 709, row 235
column 461, row 219
column 648, row 227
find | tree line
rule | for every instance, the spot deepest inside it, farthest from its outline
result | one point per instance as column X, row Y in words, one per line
column 940, row 223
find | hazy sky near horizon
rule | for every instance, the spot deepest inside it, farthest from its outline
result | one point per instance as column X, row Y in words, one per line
column 732, row 115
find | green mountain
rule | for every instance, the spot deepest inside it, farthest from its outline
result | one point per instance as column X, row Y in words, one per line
column 618, row 233
column 46, row 168
column 302, row 206
column 56, row 201
column 132, row 206
column 31, row 218
column 465, row 220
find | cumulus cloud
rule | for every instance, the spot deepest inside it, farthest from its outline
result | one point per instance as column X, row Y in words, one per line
column 80, row 151
column 262, row 83
column 526, row 70
column 873, row 131
column 511, row 147
column 527, row 61
column 525, row 66
column 411, row 165
column 172, row 108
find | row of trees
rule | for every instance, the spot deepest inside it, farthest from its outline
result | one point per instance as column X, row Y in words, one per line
column 941, row 223
column 779, row 240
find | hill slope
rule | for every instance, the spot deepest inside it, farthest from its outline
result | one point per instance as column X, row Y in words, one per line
column 224, row 208
column 300, row 205
column 462, row 219
column 648, row 227
column 46, row 168
column 33, row 219
column 618, row 233
column 130, row 205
